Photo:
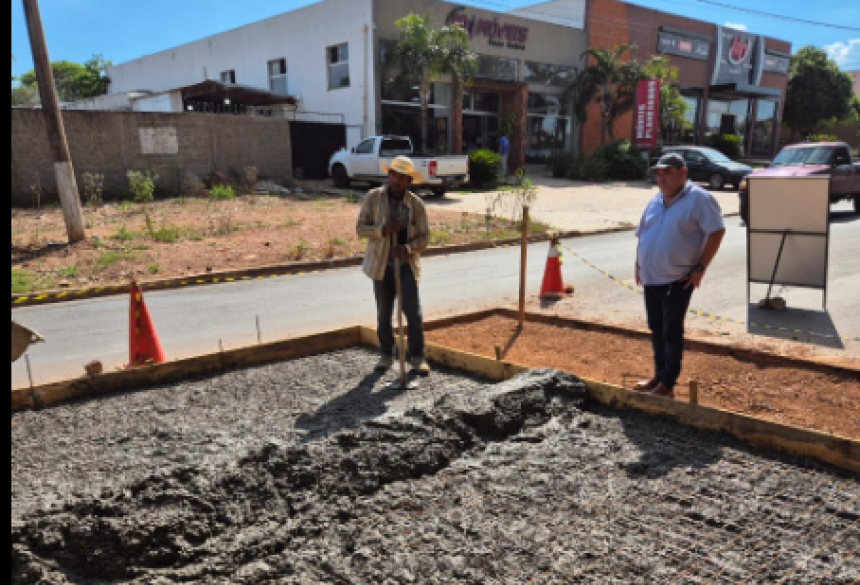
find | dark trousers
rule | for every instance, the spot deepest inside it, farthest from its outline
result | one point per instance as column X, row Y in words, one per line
column 385, row 291
column 666, row 307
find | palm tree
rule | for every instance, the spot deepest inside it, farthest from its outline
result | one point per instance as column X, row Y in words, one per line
column 614, row 83
column 424, row 53
column 673, row 106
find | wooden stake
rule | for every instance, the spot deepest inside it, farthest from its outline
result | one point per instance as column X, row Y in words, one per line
column 523, row 265
column 66, row 184
column 694, row 392
column 29, row 371
column 259, row 332
column 498, row 353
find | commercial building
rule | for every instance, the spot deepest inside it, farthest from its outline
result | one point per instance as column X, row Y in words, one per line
column 330, row 57
column 733, row 81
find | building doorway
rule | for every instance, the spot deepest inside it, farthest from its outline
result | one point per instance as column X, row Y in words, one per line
column 481, row 120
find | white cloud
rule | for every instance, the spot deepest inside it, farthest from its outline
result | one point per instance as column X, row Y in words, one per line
column 844, row 53
column 736, row 26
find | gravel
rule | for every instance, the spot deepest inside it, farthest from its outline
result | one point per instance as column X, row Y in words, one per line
column 310, row 471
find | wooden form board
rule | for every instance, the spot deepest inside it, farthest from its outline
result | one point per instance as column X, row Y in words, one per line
column 801, row 207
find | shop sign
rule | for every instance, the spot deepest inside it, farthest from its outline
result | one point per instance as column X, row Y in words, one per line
column 738, row 57
column 673, row 43
column 498, row 34
column 776, row 63
column 647, row 113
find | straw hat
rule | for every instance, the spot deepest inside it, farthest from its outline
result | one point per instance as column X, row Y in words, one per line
column 402, row 165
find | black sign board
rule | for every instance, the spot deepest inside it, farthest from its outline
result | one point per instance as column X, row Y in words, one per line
column 677, row 43
column 739, row 57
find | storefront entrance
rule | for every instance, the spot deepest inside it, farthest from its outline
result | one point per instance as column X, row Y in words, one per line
column 481, row 120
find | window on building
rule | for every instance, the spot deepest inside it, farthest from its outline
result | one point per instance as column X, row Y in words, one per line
column 546, row 74
column 338, row 66
column 549, row 126
column 685, row 131
column 497, row 68
column 765, row 127
column 278, row 76
column 229, row 77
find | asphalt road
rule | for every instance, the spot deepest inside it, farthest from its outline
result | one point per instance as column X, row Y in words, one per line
column 193, row 321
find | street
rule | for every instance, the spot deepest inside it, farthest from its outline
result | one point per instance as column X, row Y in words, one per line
column 193, row 321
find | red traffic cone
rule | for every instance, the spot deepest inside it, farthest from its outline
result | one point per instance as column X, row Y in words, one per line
column 143, row 346
column 553, row 286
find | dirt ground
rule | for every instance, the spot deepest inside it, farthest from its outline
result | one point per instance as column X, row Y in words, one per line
column 828, row 403
column 310, row 471
column 195, row 236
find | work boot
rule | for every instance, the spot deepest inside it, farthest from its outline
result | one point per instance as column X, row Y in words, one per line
column 384, row 364
column 420, row 366
column 647, row 385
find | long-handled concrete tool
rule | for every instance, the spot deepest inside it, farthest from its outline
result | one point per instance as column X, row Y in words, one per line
column 403, row 383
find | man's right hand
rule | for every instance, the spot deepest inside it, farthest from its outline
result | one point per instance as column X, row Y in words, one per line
column 638, row 275
column 392, row 227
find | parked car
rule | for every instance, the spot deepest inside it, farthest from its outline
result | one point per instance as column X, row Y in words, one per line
column 812, row 159
column 441, row 173
column 708, row 165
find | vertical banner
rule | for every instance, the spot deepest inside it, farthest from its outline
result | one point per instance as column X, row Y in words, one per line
column 647, row 114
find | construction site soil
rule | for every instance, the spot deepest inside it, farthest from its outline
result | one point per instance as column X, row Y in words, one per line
column 793, row 395
column 313, row 471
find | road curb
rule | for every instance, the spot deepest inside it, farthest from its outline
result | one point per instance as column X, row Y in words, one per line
column 271, row 271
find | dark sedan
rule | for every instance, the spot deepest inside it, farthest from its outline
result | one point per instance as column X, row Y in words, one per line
column 707, row 165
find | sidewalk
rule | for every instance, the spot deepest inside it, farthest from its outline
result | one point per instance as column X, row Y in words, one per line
column 571, row 205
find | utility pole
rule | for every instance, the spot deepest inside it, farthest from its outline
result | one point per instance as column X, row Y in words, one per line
column 66, row 183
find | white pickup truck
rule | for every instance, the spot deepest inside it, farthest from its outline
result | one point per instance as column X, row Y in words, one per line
column 441, row 173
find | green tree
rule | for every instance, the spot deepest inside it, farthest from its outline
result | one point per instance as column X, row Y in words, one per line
column 73, row 80
column 614, row 83
column 817, row 91
column 425, row 53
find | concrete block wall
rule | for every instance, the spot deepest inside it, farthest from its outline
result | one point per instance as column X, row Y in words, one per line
column 109, row 143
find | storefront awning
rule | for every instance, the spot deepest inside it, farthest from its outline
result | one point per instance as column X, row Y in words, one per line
column 746, row 90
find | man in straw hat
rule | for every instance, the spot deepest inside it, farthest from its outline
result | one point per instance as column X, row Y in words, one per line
column 679, row 236
column 393, row 220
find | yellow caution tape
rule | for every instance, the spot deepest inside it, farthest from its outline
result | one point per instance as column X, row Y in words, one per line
column 711, row 316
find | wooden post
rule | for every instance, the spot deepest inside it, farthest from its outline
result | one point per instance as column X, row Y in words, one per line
column 66, row 183
column 524, row 250
column 694, row 392
column 498, row 353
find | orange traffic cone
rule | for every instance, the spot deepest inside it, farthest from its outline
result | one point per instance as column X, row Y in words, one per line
column 553, row 287
column 143, row 346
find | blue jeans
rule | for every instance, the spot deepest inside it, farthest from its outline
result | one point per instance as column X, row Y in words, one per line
column 385, row 291
column 666, row 307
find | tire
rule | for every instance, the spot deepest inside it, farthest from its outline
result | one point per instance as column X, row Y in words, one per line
column 341, row 179
column 745, row 210
column 438, row 192
column 716, row 181
column 857, row 204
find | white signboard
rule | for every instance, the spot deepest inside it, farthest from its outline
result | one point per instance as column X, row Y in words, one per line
column 159, row 140
column 791, row 214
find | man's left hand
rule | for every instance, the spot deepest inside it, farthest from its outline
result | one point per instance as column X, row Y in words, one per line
column 400, row 253
column 694, row 279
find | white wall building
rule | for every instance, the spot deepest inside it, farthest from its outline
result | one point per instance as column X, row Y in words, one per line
column 327, row 55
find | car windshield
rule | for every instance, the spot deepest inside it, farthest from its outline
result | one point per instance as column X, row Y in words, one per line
column 716, row 156
column 815, row 155
column 395, row 148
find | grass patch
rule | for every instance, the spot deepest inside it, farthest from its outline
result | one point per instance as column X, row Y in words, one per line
column 166, row 234
column 125, row 206
column 22, row 282
column 352, row 197
column 124, row 235
column 300, row 251
column 110, row 258
column 69, row 272
column 154, row 269
column 339, row 242
column 440, row 237
column 292, row 223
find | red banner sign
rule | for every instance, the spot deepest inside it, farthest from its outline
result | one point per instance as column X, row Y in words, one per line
column 647, row 114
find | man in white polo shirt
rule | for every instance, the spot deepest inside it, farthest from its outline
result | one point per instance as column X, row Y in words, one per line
column 679, row 236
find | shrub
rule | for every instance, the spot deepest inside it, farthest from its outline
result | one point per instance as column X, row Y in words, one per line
column 141, row 186
column 560, row 164
column 622, row 160
column 221, row 192
column 484, row 168
column 93, row 184
column 594, row 168
column 822, row 138
column 728, row 144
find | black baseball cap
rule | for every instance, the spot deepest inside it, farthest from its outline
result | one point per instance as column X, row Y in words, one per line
column 672, row 159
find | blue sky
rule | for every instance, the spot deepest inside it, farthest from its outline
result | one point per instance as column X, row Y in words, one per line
column 122, row 30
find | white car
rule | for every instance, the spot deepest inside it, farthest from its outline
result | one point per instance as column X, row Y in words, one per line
column 441, row 173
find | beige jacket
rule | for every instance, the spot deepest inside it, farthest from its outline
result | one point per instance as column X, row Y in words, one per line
column 372, row 218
